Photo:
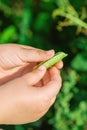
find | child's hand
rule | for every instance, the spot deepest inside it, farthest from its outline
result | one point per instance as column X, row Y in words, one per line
column 14, row 55
column 27, row 98
column 16, row 60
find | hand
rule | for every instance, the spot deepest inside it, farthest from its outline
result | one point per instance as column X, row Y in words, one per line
column 27, row 98
column 15, row 60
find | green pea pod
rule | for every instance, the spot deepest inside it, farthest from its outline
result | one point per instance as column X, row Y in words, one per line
column 52, row 61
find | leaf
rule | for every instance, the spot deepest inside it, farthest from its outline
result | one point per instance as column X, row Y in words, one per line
column 19, row 127
column 42, row 22
column 79, row 63
column 8, row 34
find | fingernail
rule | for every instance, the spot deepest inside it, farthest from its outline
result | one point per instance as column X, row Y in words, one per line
column 41, row 68
column 50, row 52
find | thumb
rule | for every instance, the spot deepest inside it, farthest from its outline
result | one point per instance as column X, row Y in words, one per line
column 35, row 76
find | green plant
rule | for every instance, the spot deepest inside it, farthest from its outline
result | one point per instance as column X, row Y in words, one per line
column 60, row 25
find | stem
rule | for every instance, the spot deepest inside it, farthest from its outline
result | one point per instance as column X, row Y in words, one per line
column 71, row 17
column 26, row 20
column 63, row 3
column 75, row 20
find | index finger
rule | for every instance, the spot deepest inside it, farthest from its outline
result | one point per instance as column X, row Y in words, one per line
column 34, row 55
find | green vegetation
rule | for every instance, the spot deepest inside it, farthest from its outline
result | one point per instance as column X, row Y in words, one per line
column 59, row 25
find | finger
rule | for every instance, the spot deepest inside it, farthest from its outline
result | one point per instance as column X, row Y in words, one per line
column 35, row 76
column 16, row 72
column 34, row 55
column 39, row 84
column 59, row 65
column 52, row 88
column 46, row 78
column 26, row 47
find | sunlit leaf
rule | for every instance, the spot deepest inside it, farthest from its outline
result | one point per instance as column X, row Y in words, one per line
column 8, row 34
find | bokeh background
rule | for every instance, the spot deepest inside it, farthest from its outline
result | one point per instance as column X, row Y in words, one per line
column 60, row 25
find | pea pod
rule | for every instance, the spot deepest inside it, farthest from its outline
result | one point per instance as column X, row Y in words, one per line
column 52, row 61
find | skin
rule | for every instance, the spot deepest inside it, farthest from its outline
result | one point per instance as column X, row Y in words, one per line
column 26, row 95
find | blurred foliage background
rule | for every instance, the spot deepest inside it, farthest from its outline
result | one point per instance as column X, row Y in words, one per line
column 61, row 25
